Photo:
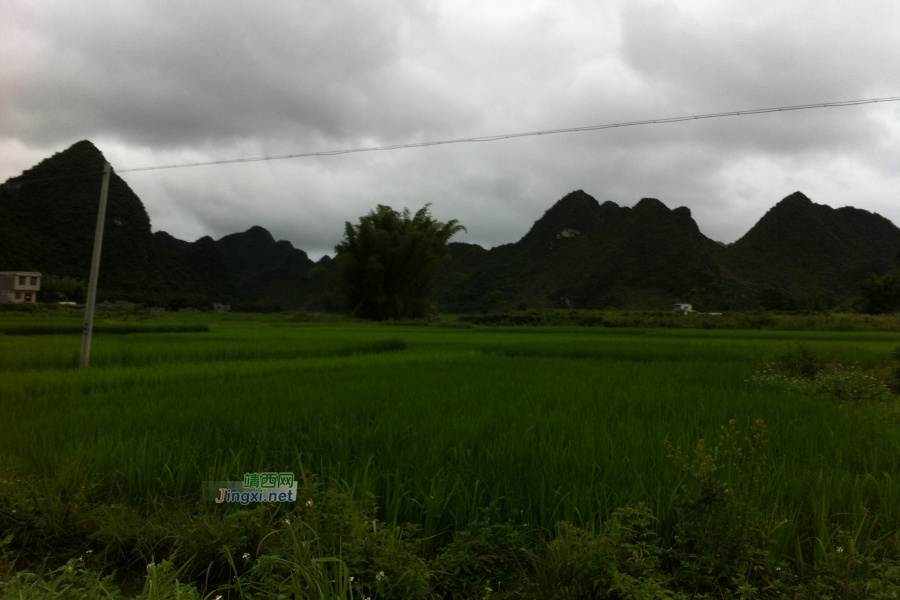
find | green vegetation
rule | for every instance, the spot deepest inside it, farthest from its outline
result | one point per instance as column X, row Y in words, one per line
column 65, row 289
column 47, row 221
column 668, row 319
column 580, row 254
column 815, row 254
column 800, row 368
column 880, row 294
column 551, row 462
column 389, row 261
column 56, row 328
column 584, row 254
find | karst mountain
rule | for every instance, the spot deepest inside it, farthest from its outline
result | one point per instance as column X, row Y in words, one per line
column 580, row 254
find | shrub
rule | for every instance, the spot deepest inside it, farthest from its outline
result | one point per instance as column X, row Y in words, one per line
column 26, row 307
column 796, row 361
column 488, row 557
column 622, row 561
column 720, row 546
column 799, row 368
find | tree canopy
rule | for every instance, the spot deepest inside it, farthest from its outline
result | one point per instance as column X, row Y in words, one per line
column 389, row 262
column 880, row 294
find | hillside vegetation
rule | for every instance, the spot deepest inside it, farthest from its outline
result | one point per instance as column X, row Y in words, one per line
column 580, row 254
column 47, row 221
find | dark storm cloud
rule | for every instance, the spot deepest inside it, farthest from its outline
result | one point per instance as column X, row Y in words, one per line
column 166, row 82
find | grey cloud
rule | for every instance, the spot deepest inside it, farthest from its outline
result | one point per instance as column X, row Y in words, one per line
column 168, row 82
column 191, row 73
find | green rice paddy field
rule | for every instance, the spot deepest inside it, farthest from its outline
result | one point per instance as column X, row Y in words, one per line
column 547, row 424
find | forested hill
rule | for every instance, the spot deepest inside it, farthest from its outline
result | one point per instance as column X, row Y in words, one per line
column 47, row 219
column 267, row 274
column 589, row 255
column 811, row 250
column 579, row 254
column 584, row 254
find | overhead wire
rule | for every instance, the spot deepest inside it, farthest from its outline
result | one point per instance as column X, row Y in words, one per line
column 507, row 136
column 486, row 138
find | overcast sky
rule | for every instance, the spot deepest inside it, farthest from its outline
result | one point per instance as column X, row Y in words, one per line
column 157, row 82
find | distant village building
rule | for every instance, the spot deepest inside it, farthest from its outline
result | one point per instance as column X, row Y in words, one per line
column 19, row 286
column 221, row 307
column 682, row 307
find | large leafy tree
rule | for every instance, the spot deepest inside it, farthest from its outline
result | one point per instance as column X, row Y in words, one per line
column 389, row 261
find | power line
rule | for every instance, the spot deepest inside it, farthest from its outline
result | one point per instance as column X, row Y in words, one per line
column 22, row 179
column 507, row 136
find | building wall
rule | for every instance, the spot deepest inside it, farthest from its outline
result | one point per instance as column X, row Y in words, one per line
column 19, row 286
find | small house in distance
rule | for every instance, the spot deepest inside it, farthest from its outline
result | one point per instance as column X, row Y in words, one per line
column 683, row 308
column 19, row 286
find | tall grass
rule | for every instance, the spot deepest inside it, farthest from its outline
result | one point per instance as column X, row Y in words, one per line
column 441, row 423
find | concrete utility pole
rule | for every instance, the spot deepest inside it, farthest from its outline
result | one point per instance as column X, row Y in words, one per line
column 95, row 271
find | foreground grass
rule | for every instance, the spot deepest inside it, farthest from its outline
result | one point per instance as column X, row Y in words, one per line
column 435, row 425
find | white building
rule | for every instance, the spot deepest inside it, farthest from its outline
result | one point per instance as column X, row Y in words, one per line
column 19, row 286
column 683, row 308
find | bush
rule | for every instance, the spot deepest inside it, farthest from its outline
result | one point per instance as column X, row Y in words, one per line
column 720, row 546
column 799, row 368
column 26, row 307
column 796, row 361
column 487, row 557
column 622, row 561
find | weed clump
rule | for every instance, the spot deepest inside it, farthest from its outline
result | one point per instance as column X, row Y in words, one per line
column 488, row 556
column 623, row 560
column 799, row 368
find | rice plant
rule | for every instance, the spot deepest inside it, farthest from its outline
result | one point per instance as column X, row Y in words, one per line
column 436, row 424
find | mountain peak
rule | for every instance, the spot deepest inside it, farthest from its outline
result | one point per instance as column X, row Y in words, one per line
column 83, row 146
column 573, row 214
column 254, row 249
column 818, row 250
column 797, row 198
column 259, row 234
column 650, row 204
column 80, row 159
